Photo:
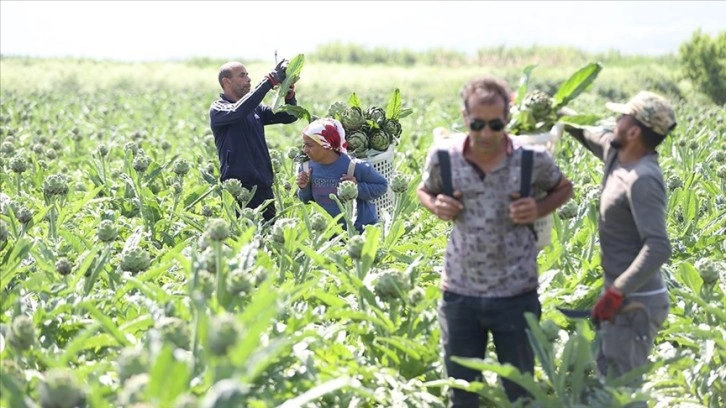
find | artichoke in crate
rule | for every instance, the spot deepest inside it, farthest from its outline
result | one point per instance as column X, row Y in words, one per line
column 352, row 119
column 357, row 143
column 379, row 140
column 336, row 109
column 393, row 128
column 376, row 115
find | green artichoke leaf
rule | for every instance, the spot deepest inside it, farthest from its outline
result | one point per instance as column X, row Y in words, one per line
column 405, row 112
column 576, row 84
column 371, row 125
column 297, row 111
column 524, row 83
column 393, row 109
column 353, row 101
column 292, row 75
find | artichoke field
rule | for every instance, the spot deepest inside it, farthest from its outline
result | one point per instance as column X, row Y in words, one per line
column 129, row 277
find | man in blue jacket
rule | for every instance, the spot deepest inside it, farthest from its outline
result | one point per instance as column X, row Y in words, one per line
column 237, row 120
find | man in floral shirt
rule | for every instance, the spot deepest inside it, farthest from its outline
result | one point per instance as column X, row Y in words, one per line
column 490, row 274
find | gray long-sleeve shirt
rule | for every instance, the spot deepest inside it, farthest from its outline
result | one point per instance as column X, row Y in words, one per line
column 633, row 237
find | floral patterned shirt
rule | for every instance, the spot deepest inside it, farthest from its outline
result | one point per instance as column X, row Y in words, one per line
column 487, row 255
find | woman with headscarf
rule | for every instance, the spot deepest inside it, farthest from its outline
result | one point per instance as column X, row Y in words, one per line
column 324, row 143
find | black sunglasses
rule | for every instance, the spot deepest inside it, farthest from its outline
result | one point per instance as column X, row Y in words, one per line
column 495, row 124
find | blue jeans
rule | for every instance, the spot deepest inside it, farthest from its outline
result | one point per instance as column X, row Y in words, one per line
column 465, row 326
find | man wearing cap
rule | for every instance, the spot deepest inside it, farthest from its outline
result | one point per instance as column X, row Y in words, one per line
column 633, row 238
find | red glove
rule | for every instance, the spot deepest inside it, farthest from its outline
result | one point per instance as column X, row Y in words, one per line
column 608, row 305
column 291, row 92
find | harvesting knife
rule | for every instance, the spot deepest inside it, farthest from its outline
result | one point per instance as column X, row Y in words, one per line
column 575, row 313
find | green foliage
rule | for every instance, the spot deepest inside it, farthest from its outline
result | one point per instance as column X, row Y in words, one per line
column 703, row 60
column 306, row 324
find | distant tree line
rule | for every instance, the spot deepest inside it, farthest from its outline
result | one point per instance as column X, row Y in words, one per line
column 703, row 61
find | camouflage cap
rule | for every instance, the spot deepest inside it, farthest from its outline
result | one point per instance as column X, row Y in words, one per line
column 650, row 109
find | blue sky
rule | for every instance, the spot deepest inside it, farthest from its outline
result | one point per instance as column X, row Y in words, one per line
column 160, row 30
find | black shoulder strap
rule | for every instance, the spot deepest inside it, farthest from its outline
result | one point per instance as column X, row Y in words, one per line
column 526, row 177
column 526, row 173
column 445, row 168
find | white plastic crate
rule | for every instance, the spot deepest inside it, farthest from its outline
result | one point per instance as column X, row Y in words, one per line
column 383, row 163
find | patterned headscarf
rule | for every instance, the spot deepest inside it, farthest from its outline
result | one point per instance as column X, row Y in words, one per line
column 327, row 132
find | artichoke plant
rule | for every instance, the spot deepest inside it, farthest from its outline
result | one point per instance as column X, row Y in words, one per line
column 347, row 191
column 135, row 260
column 55, row 184
column 18, row 164
column 399, row 183
column 218, row 230
column 391, row 284
column 223, row 333
column 355, row 246
column 60, row 389
column 232, row 186
column 708, row 270
column 318, row 222
column 226, row 393
column 22, row 332
column 175, row 331
column 63, row 266
column 131, row 361
column 107, row 231
column 181, row 167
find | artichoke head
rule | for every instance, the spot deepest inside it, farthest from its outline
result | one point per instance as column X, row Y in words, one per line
column 379, row 140
column 393, row 128
column 376, row 115
column 391, row 285
column 357, row 143
column 336, row 109
column 539, row 103
column 347, row 190
column 352, row 119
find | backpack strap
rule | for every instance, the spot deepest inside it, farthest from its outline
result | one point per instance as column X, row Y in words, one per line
column 351, row 167
column 526, row 173
column 526, row 178
column 445, row 168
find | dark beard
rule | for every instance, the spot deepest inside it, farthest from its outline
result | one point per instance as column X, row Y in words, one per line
column 615, row 144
